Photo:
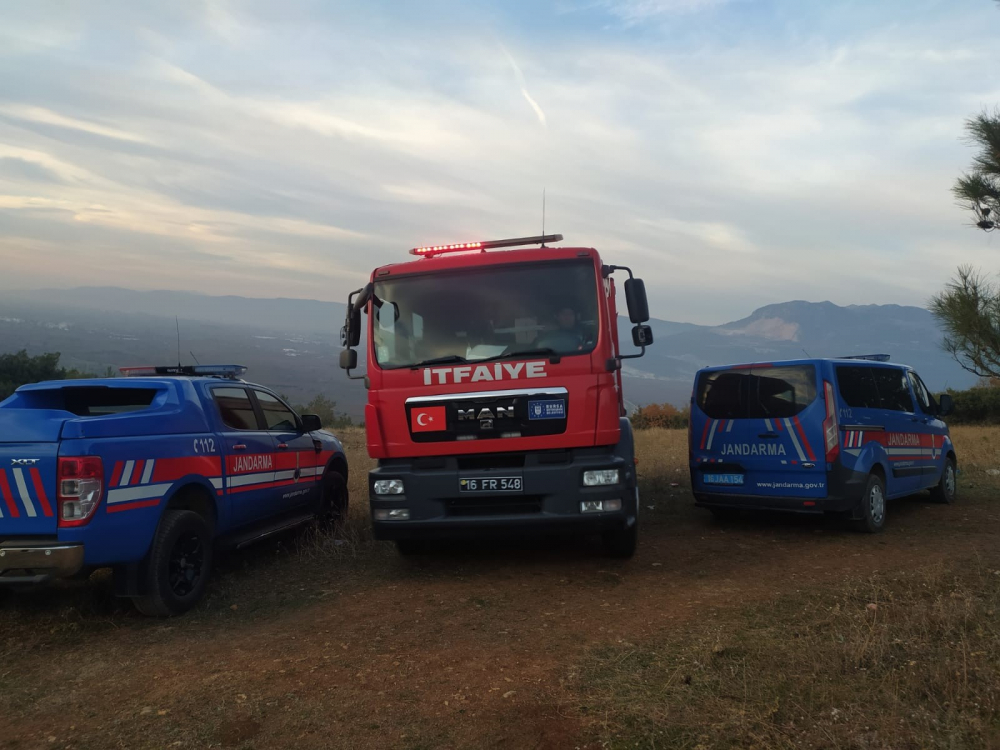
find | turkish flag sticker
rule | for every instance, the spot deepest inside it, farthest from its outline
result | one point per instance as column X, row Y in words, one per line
column 428, row 419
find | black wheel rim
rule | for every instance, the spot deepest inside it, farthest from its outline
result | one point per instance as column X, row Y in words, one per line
column 333, row 507
column 187, row 559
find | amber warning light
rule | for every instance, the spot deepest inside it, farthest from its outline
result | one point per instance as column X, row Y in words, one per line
column 465, row 247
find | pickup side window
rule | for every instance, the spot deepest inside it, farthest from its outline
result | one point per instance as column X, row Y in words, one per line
column 276, row 414
column 235, row 408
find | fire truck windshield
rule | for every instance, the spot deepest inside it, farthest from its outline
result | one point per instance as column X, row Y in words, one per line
column 486, row 313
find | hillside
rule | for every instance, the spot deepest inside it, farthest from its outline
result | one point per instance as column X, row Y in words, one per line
column 293, row 344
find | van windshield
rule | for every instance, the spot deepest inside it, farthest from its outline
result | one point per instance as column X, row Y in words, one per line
column 484, row 313
column 764, row 392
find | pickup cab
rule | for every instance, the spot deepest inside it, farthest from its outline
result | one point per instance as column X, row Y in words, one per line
column 150, row 475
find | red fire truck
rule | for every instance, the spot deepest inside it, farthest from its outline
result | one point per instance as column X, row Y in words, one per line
column 495, row 392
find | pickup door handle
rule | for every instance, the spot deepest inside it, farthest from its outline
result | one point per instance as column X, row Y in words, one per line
column 239, row 447
column 282, row 446
column 768, row 435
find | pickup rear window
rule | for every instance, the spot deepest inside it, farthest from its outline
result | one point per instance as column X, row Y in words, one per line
column 757, row 393
column 92, row 401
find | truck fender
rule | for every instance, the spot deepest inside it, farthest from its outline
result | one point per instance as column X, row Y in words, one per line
column 626, row 450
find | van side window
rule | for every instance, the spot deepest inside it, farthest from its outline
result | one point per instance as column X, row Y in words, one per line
column 857, row 387
column 235, row 408
column 923, row 397
column 894, row 388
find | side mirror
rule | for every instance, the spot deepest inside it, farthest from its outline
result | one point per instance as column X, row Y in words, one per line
column 946, row 405
column 348, row 359
column 351, row 335
column 311, row 423
column 635, row 298
column 642, row 336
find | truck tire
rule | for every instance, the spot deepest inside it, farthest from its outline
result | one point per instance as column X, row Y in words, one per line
column 178, row 565
column 871, row 512
column 946, row 490
column 333, row 501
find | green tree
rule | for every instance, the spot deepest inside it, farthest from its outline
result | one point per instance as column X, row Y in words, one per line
column 19, row 368
column 326, row 409
column 969, row 312
column 979, row 189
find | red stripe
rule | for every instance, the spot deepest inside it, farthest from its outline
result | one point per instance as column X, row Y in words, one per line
column 704, row 435
column 7, row 497
column 117, row 474
column 805, row 440
column 36, row 478
column 777, row 424
column 131, row 506
column 171, row 469
column 137, row 472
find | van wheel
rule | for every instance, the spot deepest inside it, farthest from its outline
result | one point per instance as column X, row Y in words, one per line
column 333, row 501
column 946, row 490
column 178, row 565
column 872, row 510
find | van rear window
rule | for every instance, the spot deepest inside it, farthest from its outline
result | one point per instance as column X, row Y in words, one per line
column 757, row 393
column 97, row 401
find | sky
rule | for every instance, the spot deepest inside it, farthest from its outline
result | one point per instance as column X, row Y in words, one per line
column 734, row 153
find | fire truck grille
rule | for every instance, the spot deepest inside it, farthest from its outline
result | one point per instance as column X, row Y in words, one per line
column 495, row 505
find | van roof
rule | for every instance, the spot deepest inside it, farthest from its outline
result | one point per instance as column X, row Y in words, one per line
column 805, row 361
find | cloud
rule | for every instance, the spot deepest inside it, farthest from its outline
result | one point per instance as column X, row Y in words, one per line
column 524, row 87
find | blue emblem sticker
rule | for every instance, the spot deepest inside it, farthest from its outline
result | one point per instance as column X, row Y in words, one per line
column 547, row 409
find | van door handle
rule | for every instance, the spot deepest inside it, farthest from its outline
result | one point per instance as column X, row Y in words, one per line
column 808, row 465
column 239, row 447
column 282, row 446
column 768, row 435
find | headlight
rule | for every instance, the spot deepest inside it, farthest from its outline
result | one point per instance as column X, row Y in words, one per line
column 388, row 486
column 600, row 478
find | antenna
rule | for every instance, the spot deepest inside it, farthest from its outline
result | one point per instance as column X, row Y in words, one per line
column 806, row 353
column 178, row 323
column 543, row 216
column 194, row 358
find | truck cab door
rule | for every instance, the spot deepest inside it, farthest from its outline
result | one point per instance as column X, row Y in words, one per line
column 249, row 454
column 932, row 433
column 295, row 459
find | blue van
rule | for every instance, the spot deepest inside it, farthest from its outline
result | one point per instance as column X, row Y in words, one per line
column 818, row 436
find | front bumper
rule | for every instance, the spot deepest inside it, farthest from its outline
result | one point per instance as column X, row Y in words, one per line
column 550, row 500
column 35, row 562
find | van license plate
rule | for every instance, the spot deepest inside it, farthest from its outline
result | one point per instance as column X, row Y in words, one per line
column 732, row 479
column 491, row 484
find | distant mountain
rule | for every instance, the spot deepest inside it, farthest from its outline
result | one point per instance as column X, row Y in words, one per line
column 293, row 344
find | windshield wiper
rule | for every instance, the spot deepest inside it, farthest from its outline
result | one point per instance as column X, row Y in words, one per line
column 445, row 360
column 547, row 351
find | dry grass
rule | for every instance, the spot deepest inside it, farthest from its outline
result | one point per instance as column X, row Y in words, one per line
column 759, row 634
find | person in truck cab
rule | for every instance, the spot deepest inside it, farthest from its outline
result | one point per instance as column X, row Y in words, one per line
column 568, row 335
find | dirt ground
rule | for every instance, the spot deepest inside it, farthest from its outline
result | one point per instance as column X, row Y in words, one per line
column 312, row 644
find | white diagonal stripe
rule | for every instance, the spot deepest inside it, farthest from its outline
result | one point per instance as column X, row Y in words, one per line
column 139, row 492
column 729, row 427
column 770, row 427
column 127, row 473
column 711, row 435
column 148, row 473
column 795, row 439
column 22, row 490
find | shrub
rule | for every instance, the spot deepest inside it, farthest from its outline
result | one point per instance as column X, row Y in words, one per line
column 666, row 416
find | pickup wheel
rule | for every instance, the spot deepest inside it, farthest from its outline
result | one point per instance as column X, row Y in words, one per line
column 178, row 565
column 333, row 501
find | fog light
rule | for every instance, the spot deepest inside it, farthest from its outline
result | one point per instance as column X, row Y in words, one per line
column 392, row 514
column 592, row 506
column 600, row 478
column 612, row 505
column 388, row 487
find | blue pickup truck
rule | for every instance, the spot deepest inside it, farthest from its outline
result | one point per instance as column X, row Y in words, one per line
column 150, row 474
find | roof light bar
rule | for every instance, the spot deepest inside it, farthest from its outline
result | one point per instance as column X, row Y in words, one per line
column 217, row 371
column 465, row 247
column 869, row 357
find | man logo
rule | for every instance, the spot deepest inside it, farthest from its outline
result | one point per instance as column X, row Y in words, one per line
column 470, row 415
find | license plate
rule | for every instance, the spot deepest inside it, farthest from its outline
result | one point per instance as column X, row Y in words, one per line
column 491, row 484
column 733, row 479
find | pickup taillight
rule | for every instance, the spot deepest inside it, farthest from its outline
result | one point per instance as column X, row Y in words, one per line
column 81, row 486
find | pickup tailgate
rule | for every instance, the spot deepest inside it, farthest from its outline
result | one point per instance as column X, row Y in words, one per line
column 29, row 450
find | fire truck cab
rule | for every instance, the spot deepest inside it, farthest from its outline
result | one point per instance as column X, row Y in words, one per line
column 495, row 397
